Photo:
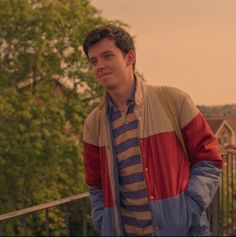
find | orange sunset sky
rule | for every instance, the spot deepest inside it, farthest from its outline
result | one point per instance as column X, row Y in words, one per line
column 189, row 44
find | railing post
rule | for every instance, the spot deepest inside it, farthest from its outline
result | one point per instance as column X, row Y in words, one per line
column 233, row 192
column 84, row 217
column 25, row 228
column 1, row 228
column 46, row 222
column 222, row 224
column 67, row 221
column 215, row 215
column 231, row 196
column 228, row 195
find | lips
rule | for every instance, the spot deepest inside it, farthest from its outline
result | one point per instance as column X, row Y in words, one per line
column 103, row 74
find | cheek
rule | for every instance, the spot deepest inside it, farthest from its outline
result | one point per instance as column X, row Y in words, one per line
column 94, row 71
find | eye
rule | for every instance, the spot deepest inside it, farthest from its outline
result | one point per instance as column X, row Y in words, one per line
column 108, row 56
column 93, row 62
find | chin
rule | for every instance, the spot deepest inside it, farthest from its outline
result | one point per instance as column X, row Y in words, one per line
column 109, row 86
column 108, row 82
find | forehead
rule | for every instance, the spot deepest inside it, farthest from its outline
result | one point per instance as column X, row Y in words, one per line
column 102, row 46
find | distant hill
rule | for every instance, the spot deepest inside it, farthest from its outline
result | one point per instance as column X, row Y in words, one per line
column 218, row 110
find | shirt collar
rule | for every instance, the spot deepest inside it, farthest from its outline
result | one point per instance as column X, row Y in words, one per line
column 130, row 100
column 111, row 104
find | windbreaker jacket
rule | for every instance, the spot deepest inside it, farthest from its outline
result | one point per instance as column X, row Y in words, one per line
column 179, row 189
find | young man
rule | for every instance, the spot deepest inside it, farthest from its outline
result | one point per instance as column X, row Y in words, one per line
column 139, row 178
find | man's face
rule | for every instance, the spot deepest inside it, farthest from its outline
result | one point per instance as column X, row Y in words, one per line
column 110, row 66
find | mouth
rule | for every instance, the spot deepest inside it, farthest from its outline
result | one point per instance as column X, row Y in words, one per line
column 104, row 74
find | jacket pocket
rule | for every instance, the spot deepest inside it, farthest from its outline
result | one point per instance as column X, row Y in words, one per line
column 107, row 225
column 171, row 216
column 199, row 224
column 193, row 209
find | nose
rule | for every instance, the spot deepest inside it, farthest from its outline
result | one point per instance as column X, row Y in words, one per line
column 100, row 64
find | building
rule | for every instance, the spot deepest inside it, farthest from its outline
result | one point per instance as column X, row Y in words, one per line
column 224, row 129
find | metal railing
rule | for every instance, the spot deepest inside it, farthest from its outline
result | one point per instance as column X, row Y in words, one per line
column 221, row 213
column 82, row 201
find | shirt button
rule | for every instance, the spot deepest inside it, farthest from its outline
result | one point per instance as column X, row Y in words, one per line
column 156, row 227
column 146, row 169
column 151, row 197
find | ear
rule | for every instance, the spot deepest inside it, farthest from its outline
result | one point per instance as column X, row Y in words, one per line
column 131, row 57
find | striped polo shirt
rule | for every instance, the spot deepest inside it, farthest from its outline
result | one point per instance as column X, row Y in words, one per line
column 135, row 211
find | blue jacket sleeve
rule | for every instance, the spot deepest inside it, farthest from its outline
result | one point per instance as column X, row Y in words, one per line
column 96, row 197
column 205, row 161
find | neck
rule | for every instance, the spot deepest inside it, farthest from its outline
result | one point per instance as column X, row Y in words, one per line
column 121, row 94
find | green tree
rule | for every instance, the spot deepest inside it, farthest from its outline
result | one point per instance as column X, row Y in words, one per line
column 41, row 119
column 42, row 40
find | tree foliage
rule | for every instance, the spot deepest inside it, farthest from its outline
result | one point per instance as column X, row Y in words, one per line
column 42, row 39
column 41, row 119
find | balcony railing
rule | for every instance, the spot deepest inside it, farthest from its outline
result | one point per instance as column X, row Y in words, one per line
column 78, row 203
column 75, row 211
column 222, row 211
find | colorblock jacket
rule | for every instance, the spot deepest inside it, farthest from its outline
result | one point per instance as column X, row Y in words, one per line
column 179, row 189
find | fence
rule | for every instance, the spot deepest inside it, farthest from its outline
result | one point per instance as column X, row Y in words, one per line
column 221, row 213
column 78, row 203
